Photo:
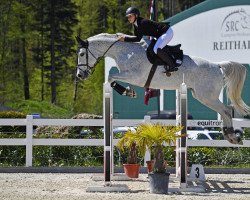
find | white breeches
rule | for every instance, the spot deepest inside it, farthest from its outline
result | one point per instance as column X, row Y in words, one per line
column 164, row 39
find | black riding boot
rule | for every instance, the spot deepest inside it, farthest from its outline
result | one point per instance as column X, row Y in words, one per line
column 166, row 58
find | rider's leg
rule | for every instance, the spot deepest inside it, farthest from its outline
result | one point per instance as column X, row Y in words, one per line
column 162, row 42
column 165, row 58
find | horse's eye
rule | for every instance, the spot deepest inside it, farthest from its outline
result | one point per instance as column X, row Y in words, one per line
column 82, row 54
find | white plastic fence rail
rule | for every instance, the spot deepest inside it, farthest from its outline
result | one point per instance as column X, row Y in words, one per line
column 29, row 141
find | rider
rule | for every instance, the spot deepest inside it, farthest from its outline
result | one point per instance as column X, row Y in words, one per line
column 162, row 31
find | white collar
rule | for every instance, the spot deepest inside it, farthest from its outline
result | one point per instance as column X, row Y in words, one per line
column 135, row 23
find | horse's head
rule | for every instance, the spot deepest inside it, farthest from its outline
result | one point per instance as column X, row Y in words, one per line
column 91, row 51
column 85, row 59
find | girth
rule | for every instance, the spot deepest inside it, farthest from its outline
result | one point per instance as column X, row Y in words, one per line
column 150, row 76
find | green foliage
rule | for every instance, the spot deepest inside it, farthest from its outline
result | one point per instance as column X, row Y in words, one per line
column 12, row 114
column 52, row 155
column 129, row 142
column 45, row 109
column 246, row 134
column 30, row 29
column 13, row 130
column 202, row 155
column 219, row 156
column 12, row 156
column 90, row 92
column 152, row 136
column 93, row 156
column 67, row 156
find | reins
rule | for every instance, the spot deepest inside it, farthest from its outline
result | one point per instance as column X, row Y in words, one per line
column 86, row 47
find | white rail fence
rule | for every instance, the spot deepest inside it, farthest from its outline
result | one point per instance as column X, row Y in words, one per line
column 29, row 141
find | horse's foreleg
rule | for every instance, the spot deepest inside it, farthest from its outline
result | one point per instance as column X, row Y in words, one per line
column 128, row 91
column 225, row 113
column 118, row 88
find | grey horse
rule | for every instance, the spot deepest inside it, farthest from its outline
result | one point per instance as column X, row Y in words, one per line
column 205, row 79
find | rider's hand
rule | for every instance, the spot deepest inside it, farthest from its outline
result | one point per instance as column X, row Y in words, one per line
column 121, row 38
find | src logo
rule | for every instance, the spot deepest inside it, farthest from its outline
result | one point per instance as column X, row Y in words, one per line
column 236, row 22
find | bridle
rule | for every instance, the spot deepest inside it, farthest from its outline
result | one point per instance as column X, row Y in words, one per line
column 85, row 46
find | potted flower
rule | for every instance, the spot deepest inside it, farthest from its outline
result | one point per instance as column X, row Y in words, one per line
column 132, row 168
column 155, row 137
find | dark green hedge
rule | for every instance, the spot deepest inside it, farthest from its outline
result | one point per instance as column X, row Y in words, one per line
column 93, row 156
column 12, row 129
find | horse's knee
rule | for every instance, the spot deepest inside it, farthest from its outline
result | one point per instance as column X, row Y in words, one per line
column 110, row 79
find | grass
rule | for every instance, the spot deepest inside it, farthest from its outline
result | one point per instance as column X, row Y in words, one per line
column 45, row 109
column 238, row 165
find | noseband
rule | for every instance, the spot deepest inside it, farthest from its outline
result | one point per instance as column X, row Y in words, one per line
column 85, row 45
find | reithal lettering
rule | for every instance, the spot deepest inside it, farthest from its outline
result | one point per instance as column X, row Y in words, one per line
column 231, row 45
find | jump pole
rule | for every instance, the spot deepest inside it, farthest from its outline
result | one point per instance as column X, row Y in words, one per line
column 181, row 143
column 108, row 145
column 108, row 131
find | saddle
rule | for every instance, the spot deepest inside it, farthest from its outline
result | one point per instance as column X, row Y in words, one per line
column 174, row 52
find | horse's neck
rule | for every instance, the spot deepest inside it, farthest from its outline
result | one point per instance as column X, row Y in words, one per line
column 126, row 54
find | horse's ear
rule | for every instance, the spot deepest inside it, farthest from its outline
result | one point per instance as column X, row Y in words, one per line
column 82, row 43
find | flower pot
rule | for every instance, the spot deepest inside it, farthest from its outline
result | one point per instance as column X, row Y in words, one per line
column 150, row 165
column 158, row 182
column 132, row 170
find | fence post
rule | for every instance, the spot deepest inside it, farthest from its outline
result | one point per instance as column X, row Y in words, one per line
column 183, row 140
column 147, row 155
column 181, row 143
column 108, row 131
column 29, row 137
column 177, row 153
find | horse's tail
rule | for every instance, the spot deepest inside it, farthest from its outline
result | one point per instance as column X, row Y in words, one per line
column 235, row 75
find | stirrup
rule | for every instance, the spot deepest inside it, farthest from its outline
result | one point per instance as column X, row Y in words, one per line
column 170, row 69
column 130, row 92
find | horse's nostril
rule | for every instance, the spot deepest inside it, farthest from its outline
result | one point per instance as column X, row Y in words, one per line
column 79, row 76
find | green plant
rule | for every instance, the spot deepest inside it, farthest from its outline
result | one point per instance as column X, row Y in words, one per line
column 128, row 141
column 12, row 129
column 155, row 137
column 12, row 114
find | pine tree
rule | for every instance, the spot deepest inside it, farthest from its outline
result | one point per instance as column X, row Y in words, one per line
column 56, row 21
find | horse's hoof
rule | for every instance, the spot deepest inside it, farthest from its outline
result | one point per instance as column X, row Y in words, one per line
column 168, row 74
column 231, row 136
column 238, row 137
column 130, row 92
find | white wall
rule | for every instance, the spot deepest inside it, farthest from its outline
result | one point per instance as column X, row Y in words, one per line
column 216, row 35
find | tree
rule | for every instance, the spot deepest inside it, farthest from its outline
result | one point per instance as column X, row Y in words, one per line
column 17, row 35
column 5, row 10
column 55, row 23
column 37, row 47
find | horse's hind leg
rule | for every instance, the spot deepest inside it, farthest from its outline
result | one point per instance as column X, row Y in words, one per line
column 225, row 112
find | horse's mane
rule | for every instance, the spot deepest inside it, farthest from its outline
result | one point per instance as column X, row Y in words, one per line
column 105, row 35
column 114, row 37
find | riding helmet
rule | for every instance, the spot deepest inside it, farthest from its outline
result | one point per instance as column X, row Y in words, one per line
column 132, row 10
